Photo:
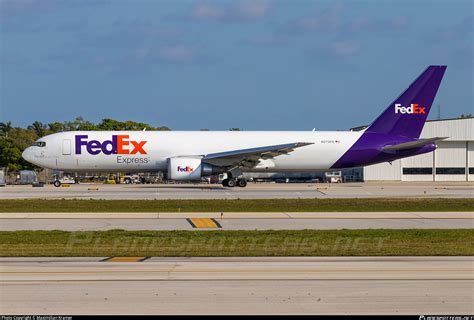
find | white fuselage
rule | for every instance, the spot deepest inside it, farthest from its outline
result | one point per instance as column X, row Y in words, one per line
column 60, row 150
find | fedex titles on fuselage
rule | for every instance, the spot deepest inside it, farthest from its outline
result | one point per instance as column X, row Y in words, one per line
column 119, row 145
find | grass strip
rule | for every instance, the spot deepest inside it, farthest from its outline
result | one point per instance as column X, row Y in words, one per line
column 372, row 242
column 240, row 205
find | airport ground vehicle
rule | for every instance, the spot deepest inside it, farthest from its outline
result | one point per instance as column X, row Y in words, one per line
column 333, row 177
column 187, row 155
column 129, row 179
column 64, row 180
column 27, row 177
column 2, row 177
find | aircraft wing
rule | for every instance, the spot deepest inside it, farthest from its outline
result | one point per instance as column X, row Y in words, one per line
column 250, row 157
column 412, row 144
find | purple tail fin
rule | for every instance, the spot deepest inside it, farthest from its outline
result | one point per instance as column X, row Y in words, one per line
column 406, row 116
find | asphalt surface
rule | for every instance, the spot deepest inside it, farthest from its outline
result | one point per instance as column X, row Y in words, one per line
column 252, row 191
column 297, row 285
column 236, row 221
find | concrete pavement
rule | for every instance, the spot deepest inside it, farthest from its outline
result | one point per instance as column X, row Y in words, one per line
column 252, row 191
column 236, row 221
column 272, row 285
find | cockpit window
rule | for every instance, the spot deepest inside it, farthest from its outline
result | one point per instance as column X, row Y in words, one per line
column 40, row 144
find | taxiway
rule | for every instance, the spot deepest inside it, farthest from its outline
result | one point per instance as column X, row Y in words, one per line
column 236, row 221
column 252, row 191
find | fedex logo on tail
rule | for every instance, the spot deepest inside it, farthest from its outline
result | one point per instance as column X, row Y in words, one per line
column 414, row 108
column 185, row 169
column 119, row 144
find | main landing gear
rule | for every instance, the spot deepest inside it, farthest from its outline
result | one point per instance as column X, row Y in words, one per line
column 234, row 182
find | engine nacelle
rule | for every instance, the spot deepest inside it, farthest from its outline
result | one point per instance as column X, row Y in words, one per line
column 187, row 168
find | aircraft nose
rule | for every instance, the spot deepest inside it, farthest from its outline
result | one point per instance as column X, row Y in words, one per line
column 28, row 154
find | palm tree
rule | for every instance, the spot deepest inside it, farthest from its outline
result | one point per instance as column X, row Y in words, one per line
column 5, row 128
column 38, row 127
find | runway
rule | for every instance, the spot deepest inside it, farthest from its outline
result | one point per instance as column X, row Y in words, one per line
column 252, row 191
column 236, row 221
column 299, row 285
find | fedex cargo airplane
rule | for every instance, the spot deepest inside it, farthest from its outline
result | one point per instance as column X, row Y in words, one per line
column 191, row 155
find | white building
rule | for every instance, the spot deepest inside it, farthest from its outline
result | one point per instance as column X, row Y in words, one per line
column 452, row 161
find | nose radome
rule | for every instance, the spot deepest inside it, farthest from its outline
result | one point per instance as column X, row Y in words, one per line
column 28, row 154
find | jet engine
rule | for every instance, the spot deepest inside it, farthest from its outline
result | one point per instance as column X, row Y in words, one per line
column 188, row 168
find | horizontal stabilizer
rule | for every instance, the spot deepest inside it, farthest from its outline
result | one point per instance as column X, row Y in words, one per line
column 412, row 144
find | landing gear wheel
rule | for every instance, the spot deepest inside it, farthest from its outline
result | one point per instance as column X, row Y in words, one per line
column 231, row 183
column 57, row 183
column 224, row 182
column 242, row 183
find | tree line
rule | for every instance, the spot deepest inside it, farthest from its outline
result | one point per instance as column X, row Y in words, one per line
column 13, row 140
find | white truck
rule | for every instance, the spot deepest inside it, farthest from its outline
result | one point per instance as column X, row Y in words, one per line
column 2, row 177
column 333, row 176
